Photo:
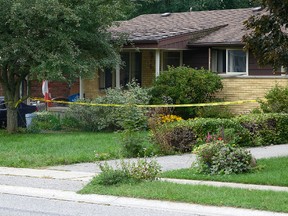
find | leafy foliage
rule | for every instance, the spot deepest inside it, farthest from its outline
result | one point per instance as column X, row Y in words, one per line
column 135, row 144
column 128, row 172
column 174, row 139
column 266, row 129
column 162, row 6
column 220, row 158
column 267, row 37
column 276, row 100
column 54, row 40
column 184, row 85
column 130, row 117
column 44, row 121
column 246, row 130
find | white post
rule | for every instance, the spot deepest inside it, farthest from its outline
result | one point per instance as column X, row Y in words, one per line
column 157, row 63
column 118, row 76
column 81, row 88
column 210, row 60
column 181, row 58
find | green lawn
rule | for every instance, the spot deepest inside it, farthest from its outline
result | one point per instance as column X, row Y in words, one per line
column 207, row 195
column 273, row 171
column 37, row 150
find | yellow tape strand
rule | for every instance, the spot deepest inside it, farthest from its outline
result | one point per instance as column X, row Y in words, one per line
column 148, row 106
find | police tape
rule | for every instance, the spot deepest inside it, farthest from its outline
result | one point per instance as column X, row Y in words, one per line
column 147, row 106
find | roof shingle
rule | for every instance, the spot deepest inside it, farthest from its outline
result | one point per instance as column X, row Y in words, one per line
column 227, row 24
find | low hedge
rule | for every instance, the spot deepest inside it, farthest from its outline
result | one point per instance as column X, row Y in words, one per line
column 246, row 131
column 266, row 129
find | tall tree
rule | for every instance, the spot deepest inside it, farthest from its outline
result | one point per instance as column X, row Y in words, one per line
column 161, row 6
column 54, row 40
column 267, row 37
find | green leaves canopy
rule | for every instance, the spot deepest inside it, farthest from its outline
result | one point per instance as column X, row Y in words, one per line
column 57, row 39
column 161, row 6
column 267, row 38
column 54, row 40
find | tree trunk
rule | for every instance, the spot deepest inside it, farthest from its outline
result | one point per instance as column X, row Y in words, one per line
column 12, row 121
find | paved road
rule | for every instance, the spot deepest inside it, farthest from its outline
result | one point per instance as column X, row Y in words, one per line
column 51, row 191
column 14, row 205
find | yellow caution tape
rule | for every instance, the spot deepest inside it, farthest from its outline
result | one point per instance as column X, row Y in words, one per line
column 148, row 106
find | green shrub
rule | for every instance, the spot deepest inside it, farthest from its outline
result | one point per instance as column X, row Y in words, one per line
column 97, row 118
column 136, row 144
column 184, row 135
column 276, row 100
column 45, row 121
column 174, row 138
column 214, row 112
column 220, row 158
column 110, row 176
column 184, row 85
column 203, row 126
column 266, row 129
column 128, row 172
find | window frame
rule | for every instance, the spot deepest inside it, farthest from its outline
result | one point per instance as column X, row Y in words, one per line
column 227, row 62
column 226, row 71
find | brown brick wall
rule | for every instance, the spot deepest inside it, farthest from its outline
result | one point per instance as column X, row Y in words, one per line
column 248, row 88
column 148, row 67
column 57, row 89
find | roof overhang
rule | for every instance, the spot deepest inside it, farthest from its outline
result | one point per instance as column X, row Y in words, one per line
column 216, row 44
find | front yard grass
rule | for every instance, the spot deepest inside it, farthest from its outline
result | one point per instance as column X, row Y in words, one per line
column 207, row 195
column 273, row 171
column 38, row 150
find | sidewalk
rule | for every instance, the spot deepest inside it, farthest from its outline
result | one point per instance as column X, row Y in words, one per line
column 178, row 161
column 62, row 182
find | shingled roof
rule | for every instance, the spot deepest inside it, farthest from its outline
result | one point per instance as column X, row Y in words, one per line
column 204, row 27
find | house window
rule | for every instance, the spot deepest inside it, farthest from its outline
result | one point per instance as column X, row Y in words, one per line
column 106, row 78
column 229, row 61
column 171, row 58
column 236, row 61
column 131, row 67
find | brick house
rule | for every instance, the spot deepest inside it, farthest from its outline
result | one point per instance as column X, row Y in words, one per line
column 208, row 39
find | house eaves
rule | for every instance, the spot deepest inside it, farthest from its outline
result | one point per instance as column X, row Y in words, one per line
column 216, row 44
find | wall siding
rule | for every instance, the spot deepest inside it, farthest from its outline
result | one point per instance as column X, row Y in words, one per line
column 248, row 89
column 256, row 70
column 196, row 58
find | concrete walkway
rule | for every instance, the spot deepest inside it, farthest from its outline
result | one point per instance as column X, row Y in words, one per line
column 177, row 161
column 61, row 183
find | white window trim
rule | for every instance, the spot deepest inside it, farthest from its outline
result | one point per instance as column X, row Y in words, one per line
column 247, row 63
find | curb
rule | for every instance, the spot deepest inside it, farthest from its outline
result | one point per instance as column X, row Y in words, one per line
column 132, row 202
